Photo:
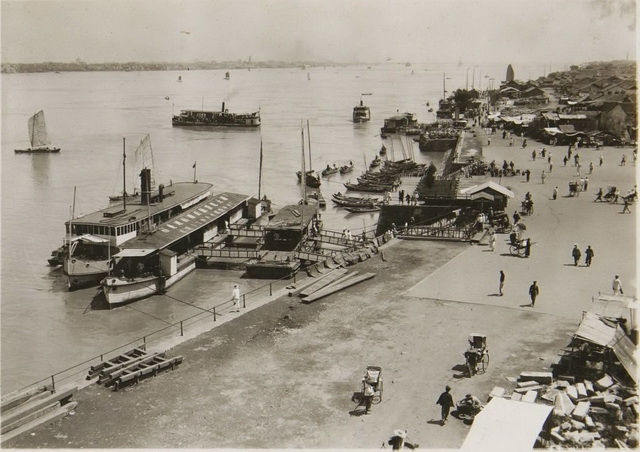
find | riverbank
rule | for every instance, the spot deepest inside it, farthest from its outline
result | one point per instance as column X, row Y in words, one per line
column 282, row 375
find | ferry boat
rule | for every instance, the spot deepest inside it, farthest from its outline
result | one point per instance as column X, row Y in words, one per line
column 282, row 235
column 95, row 238
column 361, row 113
column 222, row 118
column 154, row 261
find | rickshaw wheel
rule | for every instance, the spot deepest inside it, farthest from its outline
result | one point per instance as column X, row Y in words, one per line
column 484, row 362
column 513, row 250
column 377, row 397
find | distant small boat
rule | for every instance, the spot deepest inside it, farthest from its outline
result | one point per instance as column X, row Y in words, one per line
column 362, row 209
column 226, row 76
column 329, row 170
column 179, row 79
column 38, row 136
column 344, row 169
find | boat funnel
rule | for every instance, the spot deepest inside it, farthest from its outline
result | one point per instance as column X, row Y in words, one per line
column 145, row 186
column 160, row 192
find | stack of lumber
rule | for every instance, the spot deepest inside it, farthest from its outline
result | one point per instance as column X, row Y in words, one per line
column 131, row 367
column 332, row 282
column 586, row 413
column 23, row 411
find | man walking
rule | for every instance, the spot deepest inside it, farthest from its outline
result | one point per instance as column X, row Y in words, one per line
column 576, row 254
column 502, row 278
column 588, row 256
column 626, row 209
column 446, row 402
column 555, row 193
column 492, row 241
column 235, row 297
column 617, row 286
column 543, row 176
column 534, row 290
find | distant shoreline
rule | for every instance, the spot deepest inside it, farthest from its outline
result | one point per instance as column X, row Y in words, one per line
column 17, row 68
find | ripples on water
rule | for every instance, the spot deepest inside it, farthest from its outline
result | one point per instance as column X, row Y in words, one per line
column 45, row 328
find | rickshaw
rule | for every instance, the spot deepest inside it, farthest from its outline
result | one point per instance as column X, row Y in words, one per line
column 373, row 377
column 477, row 355
column 500, row 221
column 518, row 247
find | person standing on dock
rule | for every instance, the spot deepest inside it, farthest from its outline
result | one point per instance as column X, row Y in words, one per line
column 617, row 286
column 502, row 278
column 235, row 297
column 534, row 290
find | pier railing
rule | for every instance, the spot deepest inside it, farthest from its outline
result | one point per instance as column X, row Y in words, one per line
column 195, row 324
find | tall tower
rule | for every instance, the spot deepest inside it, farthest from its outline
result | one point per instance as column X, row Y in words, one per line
column 510, row 74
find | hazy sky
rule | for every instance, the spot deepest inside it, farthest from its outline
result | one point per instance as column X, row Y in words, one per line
column 559, row 31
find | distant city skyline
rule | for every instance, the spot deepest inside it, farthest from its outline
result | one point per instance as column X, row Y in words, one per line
column 346, row 31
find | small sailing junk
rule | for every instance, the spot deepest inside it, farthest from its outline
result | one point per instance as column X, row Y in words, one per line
column 38, row 136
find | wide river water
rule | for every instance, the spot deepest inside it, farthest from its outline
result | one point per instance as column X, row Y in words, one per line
column 45, row 328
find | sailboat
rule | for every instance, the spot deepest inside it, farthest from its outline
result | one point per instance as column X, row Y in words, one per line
column 143, row 158
column 38, row 136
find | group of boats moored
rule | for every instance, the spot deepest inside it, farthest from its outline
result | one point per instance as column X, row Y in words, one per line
column 143, row 242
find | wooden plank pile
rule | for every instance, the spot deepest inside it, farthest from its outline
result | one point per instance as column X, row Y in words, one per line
column 131, row 367
column 332, row 282
column 602, row 413
column 23, row 411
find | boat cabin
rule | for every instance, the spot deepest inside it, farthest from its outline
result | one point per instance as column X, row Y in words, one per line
column 287, row 228
column 398, row 123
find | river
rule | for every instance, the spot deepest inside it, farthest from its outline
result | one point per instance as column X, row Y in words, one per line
column 45, row 328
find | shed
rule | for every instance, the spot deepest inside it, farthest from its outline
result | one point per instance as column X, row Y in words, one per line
column 607, row 333
column 507, row 425
column 489, row 190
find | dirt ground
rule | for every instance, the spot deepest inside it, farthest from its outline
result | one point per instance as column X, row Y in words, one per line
column 283, row 375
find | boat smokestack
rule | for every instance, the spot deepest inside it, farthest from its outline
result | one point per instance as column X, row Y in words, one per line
column 145, row 186
column 160, row 192
column 222, row 107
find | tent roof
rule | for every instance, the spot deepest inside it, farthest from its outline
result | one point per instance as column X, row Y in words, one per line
column 488, row 186
column 506, row 425
column 607, row 333
column 595, row 329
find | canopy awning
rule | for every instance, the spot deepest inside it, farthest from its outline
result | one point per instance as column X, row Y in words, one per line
column 506, row 425
column 90, row 239
column 552, row 130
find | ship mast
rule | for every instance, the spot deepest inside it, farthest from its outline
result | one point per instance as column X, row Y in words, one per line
column 124, row 175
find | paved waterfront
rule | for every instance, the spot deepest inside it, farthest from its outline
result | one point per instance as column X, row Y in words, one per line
column 282, row 375
column 554, row 227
